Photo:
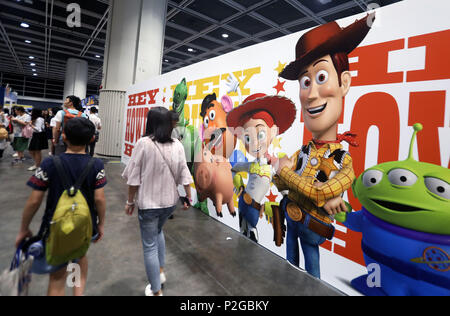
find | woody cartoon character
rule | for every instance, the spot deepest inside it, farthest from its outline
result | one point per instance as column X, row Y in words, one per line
column 321, row 171
column 257, row 122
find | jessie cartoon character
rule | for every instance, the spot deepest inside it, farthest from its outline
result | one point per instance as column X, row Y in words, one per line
column 321, row 171
column 257, row 122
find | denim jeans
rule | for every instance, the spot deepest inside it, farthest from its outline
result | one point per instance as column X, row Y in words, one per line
column 151, row 223
column 310, row 242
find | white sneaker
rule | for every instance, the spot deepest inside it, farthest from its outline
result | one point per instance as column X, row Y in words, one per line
column 162, row 276
column 148, row 291
column 32, row 168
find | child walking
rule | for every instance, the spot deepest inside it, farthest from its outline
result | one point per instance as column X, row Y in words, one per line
column 78, row 132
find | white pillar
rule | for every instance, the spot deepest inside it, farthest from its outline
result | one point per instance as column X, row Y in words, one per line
column 76, row 78
column 133, row 53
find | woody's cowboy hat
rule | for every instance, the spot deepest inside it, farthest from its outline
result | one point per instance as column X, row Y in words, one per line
column 281, row 109
column 324, row 40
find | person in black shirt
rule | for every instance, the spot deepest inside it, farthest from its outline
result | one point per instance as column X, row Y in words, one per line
column 78, row 132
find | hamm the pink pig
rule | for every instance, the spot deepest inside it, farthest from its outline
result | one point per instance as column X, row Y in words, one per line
column 213, row 179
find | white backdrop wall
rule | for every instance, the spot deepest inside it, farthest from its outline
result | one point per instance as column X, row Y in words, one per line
column 401, row 75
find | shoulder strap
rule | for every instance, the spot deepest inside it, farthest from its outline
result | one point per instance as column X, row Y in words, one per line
column 165, row 161
column 72, row 189
column 62, row 173
column 84, row 175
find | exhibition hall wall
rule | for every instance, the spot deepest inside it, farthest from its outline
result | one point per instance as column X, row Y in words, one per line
column 400, row 76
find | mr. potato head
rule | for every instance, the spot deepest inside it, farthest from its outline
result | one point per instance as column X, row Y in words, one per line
column 217, row 136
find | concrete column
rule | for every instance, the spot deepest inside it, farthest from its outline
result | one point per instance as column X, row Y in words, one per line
column 133, row 53
column 76, row 78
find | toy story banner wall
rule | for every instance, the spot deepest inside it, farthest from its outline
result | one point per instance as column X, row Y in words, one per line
column 247, row 142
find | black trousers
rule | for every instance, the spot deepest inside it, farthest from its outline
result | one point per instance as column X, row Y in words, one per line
column 90, row 149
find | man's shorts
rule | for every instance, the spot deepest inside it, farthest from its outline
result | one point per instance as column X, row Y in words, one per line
column 41, row 266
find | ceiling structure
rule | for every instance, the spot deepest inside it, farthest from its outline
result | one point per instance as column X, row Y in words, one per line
column 196, row 30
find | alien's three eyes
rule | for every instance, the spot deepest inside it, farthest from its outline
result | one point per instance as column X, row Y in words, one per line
column 403, row 177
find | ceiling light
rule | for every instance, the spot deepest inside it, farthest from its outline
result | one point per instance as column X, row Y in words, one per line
column 32, row 64
column 30, row 57
column 28, row 41
column 33, row 70
column 191, row 50
column 23, row 24
column 225, row 35
column 34, row 74
column 97, row 56
column 166, row 60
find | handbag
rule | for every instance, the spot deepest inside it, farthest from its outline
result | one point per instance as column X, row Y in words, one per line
column 15, row 281
column 3, row 133
column 27, row 131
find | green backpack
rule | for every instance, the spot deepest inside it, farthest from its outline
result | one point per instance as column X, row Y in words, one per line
column 70, row 230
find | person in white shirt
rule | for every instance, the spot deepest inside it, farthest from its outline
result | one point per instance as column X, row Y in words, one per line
column 156, row 168
column 39, row 140
column 20, row 143
column 53, row 125
column 4, row 122
column 93, row 117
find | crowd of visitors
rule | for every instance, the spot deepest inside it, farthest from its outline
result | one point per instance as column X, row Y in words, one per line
column 41, row 130
column 75, row 182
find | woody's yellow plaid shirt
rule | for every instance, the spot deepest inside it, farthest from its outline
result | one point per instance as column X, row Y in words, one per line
column 301, row 188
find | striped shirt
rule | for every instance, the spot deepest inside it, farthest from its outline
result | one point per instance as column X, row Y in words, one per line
column 150, row 171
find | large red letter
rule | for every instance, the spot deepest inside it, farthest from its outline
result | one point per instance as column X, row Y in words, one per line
column 437, row 63
column 379, row 109
column 372, row 64
column 428, row 108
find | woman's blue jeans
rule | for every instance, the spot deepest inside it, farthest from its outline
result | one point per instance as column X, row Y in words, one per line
column 151, row 223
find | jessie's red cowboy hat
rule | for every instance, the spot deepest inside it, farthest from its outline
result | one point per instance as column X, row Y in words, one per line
column 323, row 40
column 280, row 108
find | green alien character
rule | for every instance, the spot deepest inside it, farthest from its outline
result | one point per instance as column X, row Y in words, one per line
column 187, row 134
column 405, row 223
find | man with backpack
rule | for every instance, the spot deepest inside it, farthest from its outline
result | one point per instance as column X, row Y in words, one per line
column 72, row 109
column 75, row 211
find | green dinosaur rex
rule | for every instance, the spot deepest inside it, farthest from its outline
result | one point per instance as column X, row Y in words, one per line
column 186, row 133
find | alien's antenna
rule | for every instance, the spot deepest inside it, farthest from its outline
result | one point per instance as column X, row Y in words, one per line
column 417, row 128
